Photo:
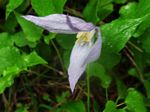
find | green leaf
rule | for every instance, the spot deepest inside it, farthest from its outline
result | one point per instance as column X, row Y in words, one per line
column 97, row 70
column 106, row 59
column 33, row 59
column 20, row 40
column 12, row 63
column 10, row 66
column 117, row 33
column 134, row 101
column 110, row 107
column 75, row 106
column 10, row 24
column 66, row 41
column 5, row 40
column 12, row 5
column 120, row 1
column 105, row 7
column 9, row 56
column 137, row 10
column 46, row 7
column 90, row 11
column 49, row 37
column 32, row 32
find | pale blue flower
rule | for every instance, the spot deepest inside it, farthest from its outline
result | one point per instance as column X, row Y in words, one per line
column 87, row 48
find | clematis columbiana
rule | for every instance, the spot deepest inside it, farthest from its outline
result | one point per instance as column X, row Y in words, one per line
column 87, row 47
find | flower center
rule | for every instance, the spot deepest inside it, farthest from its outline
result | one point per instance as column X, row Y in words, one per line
column 85, row 37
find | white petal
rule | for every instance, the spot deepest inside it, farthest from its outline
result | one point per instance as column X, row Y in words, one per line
column 80, row 57
column 76, row 68
column 60, row 23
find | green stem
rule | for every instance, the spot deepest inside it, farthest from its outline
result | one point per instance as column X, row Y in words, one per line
column 88, row 90
column 59, row 56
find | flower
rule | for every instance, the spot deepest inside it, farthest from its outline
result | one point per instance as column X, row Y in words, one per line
column 86, row 49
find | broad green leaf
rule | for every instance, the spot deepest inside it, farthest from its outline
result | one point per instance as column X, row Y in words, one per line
column 12, row 5
column 5, row 40
column 66, row 41
column 10, row 66
column 97, row 70
column 33, row 59
column 110, row 107
column 137, row 10
column 135, row 102
column 117, row 33
column 32, row 32
column 90, row 11
column 9, row 56
column 120, row 1
column 106, row 58
column 46, row 7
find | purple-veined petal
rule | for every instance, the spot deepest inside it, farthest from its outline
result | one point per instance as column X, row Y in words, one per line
column 60, row 23
column 80, row 57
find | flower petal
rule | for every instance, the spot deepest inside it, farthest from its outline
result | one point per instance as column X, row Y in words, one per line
column 60, row 23
column 76, row 67
column 95, row 50
column 80, row 57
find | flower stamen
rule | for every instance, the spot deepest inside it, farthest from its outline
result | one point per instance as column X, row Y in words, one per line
column 85, row 37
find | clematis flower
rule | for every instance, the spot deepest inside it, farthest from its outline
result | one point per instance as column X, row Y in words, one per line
column 87, row 47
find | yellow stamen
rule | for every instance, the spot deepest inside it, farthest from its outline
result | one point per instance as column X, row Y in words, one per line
column 85, row 37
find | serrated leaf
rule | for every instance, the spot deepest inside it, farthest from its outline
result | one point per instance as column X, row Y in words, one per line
column 20, row 40
column 110, row 107
column 135, row 102
column 13, row 4
column 97, row 70
column 33, row 59
column 117, row 33
column 32, row 32
column 46, row 7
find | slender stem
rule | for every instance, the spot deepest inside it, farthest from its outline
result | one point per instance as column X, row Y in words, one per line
column 88, row 90
column 59, row 56
column 106, row 93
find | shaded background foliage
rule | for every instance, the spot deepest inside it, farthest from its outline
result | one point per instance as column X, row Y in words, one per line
column 33, row 62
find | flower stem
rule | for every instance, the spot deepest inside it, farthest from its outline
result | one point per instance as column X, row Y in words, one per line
column 88, row 90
